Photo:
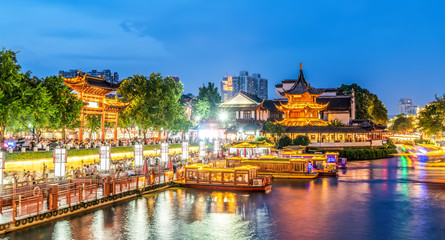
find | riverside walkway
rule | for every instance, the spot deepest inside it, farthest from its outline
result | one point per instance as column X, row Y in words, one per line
column 31, row 205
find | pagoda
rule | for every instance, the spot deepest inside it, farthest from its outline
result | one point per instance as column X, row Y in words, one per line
column 301, row 108
column 93, row 91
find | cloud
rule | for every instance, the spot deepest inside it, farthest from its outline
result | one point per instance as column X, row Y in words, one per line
column 68, row 37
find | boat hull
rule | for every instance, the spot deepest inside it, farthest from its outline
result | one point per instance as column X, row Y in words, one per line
column 228, row 187
column 290, row 175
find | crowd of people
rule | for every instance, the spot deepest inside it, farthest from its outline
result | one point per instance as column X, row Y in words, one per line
column 46, row 144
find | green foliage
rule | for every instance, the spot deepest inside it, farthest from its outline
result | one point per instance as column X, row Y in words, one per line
column 93, row 123
column 11, row 83
column 336, row 123
column 301, row 140
column 431, row 119
column 38, row 112
column 368, row 153
column 154, row 103
column 274, row 129
column 367, row 104
column 260, row 138
column 208, row 101
column 402, row 123
column 284, row 141
column 67, row 105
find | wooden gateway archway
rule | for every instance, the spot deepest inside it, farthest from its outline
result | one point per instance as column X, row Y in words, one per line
column 93, row 91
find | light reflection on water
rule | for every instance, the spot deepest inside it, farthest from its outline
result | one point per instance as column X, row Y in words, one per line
column 370, row 200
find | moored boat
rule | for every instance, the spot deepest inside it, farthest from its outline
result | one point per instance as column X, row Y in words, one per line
column 244, row 178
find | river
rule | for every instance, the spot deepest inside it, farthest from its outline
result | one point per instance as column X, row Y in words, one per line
column 379, row 199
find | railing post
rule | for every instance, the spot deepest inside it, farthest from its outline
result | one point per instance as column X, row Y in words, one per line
column 38, row 204
column 14, row 209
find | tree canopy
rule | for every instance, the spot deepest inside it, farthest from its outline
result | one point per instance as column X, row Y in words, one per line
column 11, row 81
column 154, row 103
column 207, row 104
column 367, row 104
column 402, row 123
column 431, row 118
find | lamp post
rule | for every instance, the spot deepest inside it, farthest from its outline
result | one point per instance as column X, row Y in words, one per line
column 138, row 154
column 202, row 149
column 105, row 157
column 60, row 159
column 185, row 150
column 164, row 152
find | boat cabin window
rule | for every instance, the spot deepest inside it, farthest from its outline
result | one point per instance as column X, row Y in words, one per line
column 242, row 178
column 192, row 175
column 204, row 176
column 229, row 177
column 298, row 166
column 216, row 177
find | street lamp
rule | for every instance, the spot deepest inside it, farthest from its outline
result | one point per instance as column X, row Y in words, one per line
column 223, row 116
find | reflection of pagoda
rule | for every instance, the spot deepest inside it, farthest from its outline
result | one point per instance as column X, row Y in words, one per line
column 92, row 90
column 302, row 108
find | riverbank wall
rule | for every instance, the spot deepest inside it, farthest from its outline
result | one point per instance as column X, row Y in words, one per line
column 47, row 216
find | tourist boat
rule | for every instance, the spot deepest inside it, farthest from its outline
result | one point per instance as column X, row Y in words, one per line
column 244, row 178
column 277, row 167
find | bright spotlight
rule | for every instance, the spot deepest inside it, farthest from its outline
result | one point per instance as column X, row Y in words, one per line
column 222, row 116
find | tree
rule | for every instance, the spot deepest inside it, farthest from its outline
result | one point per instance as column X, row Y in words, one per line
column 284, row 141
column 208, row 101
column 11, row 83
column 367, row 104
column 93, row 123
column 38, row 112
column 202, row 108
column 431, row 119
column 274, row 129
column 402, row 123
column 155, row 102
column 67, row 105
column 336, row 123
column 301, row 140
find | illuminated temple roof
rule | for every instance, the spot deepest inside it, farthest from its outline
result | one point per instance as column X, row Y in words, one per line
column 301, row 86
column 89, row 84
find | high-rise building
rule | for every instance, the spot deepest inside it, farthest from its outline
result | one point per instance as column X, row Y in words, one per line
column 227, row 88
column 406, row 106
column 231, row 85
column 106, row 74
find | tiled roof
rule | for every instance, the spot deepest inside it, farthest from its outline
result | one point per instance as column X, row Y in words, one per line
column 301, row 86
column 336, row 103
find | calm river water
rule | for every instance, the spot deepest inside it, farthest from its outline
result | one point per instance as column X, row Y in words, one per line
column 380, row 199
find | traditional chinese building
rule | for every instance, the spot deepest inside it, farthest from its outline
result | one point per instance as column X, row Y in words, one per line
column 93, row 92
column 302, row 108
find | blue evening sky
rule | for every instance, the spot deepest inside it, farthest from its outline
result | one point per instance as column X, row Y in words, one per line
column 394, row 48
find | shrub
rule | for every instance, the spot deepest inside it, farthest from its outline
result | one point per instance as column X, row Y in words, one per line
column 260, row 138
column 301, row 140
column 284, row 141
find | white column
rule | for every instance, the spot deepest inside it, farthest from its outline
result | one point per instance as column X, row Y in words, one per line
column 105, row 157
column 216, row 147
column 185, row 150
column 59, row 162
column 164, row 152
column 202, row 149
column 138, row 154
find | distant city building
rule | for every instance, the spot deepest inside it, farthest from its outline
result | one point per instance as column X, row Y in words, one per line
column 106, row 74
column 227, row 88
column 231, row 85
column 406, row 106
